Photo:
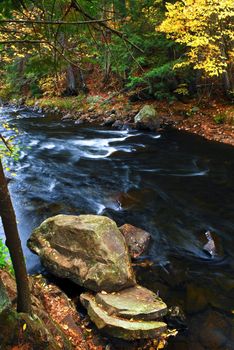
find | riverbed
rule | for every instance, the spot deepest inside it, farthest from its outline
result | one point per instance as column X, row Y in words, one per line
column 173, row 184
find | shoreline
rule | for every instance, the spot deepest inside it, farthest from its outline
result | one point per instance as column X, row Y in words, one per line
column 212, row 120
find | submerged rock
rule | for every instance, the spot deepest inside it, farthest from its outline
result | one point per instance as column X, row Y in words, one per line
column 137, row 239
column 120, row 327
column 147, row 118
column 88, row 249
column 213, row 330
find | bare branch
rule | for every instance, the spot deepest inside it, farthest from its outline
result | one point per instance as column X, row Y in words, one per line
column 27, row 21
column 23, row 41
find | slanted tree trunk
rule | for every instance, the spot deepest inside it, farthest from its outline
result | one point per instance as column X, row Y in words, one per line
column 14, row 245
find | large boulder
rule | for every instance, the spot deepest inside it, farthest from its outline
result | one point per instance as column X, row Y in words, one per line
column 147, row 118
column 137, row 239
column 88, row 249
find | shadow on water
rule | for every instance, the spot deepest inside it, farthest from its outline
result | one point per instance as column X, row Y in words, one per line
column 176, row 186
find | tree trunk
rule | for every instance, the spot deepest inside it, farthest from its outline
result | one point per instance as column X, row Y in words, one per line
column 107, row 64
column 227, row 83
column 106, row 41
column 71, row 81
column 14, row 245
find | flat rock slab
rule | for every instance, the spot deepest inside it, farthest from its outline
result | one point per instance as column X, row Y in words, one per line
column 120, row 327
column 137, row 239
column 87, row 249
column 133, row 303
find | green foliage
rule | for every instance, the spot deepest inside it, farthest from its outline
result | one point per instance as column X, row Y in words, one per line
column 5, row 261
column 65, row 103
column 141, row 57
column 219, row 118
column 94, row 99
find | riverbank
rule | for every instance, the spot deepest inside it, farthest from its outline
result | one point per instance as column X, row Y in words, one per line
column 210, row 119
column 57, row 322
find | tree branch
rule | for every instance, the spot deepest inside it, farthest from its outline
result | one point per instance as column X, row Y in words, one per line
column 104, row 25
column 23, row 41
column 27, row 21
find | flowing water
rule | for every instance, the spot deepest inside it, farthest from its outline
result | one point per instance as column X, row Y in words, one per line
column 175, row 185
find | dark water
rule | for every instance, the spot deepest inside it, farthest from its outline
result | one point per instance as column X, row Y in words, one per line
column 175, row 185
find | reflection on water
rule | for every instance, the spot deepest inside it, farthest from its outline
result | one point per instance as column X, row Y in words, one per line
column 174, row 185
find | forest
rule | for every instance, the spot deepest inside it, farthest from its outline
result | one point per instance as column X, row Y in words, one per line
column 166, row 49
column 116, row 174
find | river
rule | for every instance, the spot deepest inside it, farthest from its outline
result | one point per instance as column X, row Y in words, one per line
column 175, row 185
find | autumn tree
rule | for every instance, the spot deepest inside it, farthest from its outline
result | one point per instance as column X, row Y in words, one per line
column 206, row 29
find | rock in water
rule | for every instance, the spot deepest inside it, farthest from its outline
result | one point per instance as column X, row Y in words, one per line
column 136, row 238
column 147, row 118
column 120, row 327
column 209, row 247
column 88, row 249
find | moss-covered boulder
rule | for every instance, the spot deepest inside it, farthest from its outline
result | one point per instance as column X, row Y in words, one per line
column 147, row 118
column 88, row 249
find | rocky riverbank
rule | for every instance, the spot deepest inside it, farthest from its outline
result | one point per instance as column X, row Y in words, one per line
column 92, row 252
column 210, row 119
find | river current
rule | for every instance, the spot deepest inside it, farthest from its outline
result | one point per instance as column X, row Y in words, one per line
column 174, row 185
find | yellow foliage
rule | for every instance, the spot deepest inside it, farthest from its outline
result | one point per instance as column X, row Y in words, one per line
column 13, row 33
column 182, row 90
column 53, row 85
column 206, row 27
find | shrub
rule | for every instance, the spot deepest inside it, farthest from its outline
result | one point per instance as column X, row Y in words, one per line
column 219, row 118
